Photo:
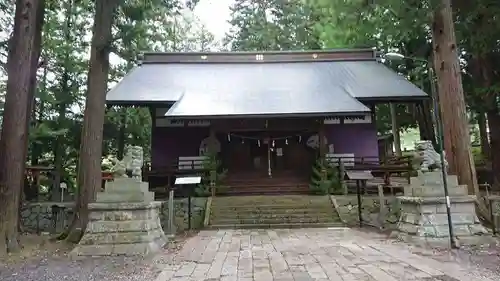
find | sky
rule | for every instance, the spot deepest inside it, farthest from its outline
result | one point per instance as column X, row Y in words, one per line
column 214, row 14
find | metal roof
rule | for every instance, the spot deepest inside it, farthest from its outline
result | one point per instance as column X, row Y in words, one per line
column 285, row 102
column 266, row 88
column 145, row 84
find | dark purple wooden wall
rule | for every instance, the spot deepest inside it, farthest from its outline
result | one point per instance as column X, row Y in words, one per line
column 168, row 143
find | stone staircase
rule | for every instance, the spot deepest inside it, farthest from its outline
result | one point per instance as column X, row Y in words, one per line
column 273, row 211
column 255, row 183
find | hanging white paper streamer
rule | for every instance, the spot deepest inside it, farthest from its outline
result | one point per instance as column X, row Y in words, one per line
column 258, row 143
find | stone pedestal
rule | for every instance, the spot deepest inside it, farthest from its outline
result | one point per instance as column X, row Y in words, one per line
column 423, row 212
column 124, row 221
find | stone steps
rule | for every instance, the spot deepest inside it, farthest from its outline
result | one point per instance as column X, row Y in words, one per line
column 267, row 191
column 275, row 207
column 259, row 184
column 275, row 226
column 285, row 211
column 264, row 200
column 275, row 216
column 277, row 220
column 272, row 213
column 265, row 188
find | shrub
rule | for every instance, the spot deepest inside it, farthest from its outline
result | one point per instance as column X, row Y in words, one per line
column 328, row 184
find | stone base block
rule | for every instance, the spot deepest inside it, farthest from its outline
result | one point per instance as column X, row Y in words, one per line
column 425, row 220
column 127, row 196
column 122, row 229
column 433, row 180
column 444, row 242
column 424, row 191
column 431, row 185
column 134, row 249
column 125, row 190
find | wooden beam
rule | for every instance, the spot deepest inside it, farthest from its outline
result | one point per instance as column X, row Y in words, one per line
column 283, row 124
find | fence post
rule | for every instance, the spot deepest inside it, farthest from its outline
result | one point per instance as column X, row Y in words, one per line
column 410, row 169
column 382, row 210
column 342, row 175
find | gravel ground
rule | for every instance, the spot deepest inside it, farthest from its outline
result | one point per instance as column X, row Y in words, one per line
column 41, row 260
column 485, row 257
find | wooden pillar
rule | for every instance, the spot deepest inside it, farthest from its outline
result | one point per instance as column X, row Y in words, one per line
column 152, row 112
column 395, row 129
column 212, row 153
column 322, row 149
column 322, row 144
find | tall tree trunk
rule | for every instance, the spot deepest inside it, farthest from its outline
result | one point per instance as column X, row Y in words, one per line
column 425, row 124
column 89, row 165
column 121, row 133
column 35, row 149
column 24, row 53
column 483, row 135
column 493, row 117
column 61, row 98
column 451, row 96
column 33, row 124
column 492, row 114
column 395, row 129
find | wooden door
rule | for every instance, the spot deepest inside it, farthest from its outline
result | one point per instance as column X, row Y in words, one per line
column 297, row 157
column 239, row 157
column 259, row 157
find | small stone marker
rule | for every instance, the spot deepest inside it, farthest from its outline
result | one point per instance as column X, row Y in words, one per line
column 63, row 188
column 123, row 221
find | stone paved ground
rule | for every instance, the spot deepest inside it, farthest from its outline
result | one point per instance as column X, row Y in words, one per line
column 309, row 254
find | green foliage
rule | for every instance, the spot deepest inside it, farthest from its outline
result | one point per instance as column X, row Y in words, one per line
column 271, row 25
column 323, row 184
column 130, row 125
column 169, row 25
column 478, row 156
column 213, row 173
column 150, row 25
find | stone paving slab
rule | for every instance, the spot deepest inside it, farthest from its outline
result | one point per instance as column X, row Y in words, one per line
column 336, row 254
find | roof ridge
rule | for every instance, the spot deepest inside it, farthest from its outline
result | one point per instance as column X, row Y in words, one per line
column 260, row 57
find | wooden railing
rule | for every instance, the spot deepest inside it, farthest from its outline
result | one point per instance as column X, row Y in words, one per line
column 160, row 178
column 401, row 166
column 183, row 165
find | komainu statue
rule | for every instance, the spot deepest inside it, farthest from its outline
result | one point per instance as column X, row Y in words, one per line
column 426, row 158
column 111, row 164
column 133, row 161
column 119, row 170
